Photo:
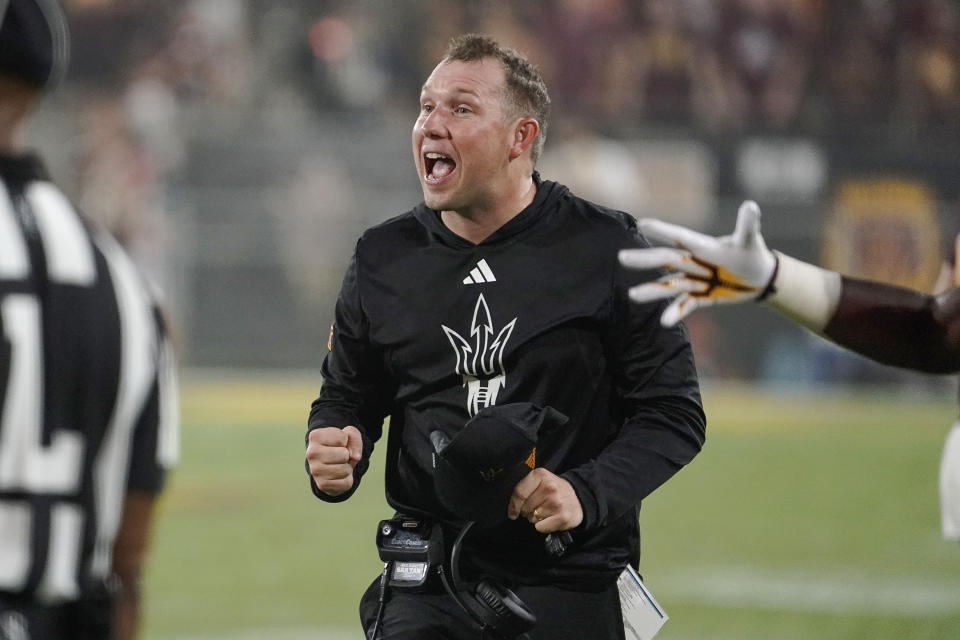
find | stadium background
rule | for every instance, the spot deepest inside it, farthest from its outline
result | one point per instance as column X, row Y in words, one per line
column 238, row 147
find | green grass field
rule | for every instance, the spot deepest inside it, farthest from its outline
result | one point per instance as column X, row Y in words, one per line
column 806, row 516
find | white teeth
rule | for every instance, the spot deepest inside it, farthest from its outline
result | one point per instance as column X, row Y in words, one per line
column 435, row 156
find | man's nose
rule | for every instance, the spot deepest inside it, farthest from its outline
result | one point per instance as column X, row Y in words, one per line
column 433, row 124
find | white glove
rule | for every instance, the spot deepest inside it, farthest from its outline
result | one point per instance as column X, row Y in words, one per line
column 704, row 270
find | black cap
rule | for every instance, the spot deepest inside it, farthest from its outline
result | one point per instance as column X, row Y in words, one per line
column 475, row 472
column 33, row 41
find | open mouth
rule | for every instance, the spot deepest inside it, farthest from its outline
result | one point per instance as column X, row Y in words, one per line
column 437, row 166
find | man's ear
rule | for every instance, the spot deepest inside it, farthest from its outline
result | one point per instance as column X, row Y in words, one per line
column 524, row 133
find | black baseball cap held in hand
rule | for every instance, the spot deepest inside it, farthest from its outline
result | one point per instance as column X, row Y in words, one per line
column 33, row 41
column 475, row 471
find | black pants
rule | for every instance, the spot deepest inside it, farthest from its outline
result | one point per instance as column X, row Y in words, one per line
column 561, row 614
column 22, row 618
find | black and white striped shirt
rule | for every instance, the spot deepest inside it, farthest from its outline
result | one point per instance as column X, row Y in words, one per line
column 88, row 398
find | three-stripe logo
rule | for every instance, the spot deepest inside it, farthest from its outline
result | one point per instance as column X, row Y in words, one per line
column 480, row 274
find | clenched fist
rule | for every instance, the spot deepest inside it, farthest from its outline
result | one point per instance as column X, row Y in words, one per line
column 332, row 454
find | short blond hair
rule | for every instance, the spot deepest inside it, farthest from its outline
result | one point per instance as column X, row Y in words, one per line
column 526, row 93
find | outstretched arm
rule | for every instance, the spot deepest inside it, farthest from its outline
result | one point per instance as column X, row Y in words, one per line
column 889, row 324
column 898, row 326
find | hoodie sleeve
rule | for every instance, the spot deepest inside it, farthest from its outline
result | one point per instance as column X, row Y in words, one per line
column 664, row 426
column 355, row 390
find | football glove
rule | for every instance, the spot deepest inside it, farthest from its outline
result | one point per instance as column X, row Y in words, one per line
column 703, row 270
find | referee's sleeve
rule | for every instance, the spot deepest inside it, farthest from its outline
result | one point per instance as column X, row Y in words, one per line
column 155, row 448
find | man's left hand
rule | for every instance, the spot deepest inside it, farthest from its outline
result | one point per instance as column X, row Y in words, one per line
column 547, row 501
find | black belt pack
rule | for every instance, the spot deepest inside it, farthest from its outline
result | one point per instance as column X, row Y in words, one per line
column 412, row 548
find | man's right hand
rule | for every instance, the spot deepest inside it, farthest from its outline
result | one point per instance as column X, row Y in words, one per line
column 332, row 453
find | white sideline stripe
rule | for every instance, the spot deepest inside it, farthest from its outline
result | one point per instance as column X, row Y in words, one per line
column 275, row 634
column 734, row 587
column 824, row 593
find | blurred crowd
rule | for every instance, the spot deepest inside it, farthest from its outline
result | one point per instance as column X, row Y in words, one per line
column 886, row 67
column 714, row 65
column 151, row 81
column 136, row 68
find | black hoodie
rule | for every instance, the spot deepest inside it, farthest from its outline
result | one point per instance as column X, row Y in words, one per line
column 430, row 328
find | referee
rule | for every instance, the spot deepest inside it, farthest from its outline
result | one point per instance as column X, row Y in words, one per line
column 88, row 408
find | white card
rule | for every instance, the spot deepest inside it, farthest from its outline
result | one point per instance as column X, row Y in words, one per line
column 642, row 615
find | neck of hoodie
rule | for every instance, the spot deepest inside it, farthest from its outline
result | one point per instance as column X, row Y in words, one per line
column 545, row 193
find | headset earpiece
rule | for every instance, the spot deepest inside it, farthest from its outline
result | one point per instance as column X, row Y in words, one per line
column 496, row 608
column 499, row 609
column 491, row 596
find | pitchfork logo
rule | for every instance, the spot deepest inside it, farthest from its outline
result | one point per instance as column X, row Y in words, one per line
column 480, row 358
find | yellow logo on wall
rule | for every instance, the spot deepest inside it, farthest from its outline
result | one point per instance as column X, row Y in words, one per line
column 884, row 229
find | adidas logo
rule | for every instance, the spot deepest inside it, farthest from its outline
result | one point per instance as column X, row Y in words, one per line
column 480, row 274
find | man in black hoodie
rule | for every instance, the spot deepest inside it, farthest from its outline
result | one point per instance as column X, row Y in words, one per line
column 502, row 290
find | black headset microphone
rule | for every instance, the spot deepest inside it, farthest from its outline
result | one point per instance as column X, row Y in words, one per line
column 497, row 438
column 412, row 548
column 497, row 609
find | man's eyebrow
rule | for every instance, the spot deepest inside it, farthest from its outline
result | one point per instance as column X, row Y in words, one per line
column 455, row 92
column 466, row 90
